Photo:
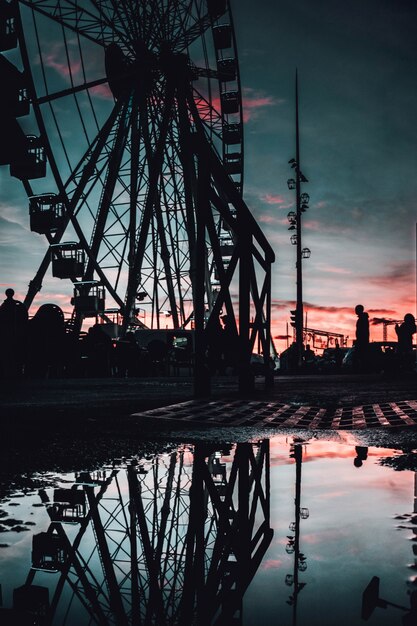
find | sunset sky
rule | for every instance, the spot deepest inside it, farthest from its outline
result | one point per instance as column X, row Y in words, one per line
column 356, row 63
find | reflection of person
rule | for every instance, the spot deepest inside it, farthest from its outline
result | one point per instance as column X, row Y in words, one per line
column 410, row 618
column 405, row 333
column 362, row 338
column 361, row 455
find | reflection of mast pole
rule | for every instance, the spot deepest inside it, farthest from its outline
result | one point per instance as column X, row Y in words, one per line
column 298, row 453
column 300, row 564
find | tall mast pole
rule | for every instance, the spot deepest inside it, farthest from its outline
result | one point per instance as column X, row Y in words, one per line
column 299, row 307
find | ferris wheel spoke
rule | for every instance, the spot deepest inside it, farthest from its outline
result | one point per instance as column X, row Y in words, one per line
column 112, row 175
column 123, row 14
column 96, row 27
column 70, row 91
column 173, row 233
column 186, row 39
column 165, row 256
column 155, row 161
column 155, row 603
column 85, row 169
column 116, row 601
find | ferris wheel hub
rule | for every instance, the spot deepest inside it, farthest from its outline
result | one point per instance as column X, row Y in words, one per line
column 126, row 74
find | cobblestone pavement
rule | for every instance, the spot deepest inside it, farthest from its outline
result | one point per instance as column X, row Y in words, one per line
column 277, row 414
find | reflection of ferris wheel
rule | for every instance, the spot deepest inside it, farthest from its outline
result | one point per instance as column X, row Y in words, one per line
column 174, row 540
column 127, row 98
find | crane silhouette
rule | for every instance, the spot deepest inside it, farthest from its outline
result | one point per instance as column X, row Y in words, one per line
column 385, row 323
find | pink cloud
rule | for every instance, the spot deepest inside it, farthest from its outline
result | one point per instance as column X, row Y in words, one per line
column 102, row 91
column 273, row 199
column 52, row 59
column 320, row 227
column 269, row 219
column 272, row 564
column 400, row 273
column 333, row 270
column 254, row 102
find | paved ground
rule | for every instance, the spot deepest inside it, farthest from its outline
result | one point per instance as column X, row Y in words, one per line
column 262, row 414
column 336, row 402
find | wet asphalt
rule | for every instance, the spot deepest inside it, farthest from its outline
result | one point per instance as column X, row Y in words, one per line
column 66, row 424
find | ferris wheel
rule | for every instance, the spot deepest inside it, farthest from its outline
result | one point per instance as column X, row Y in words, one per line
column 176, row 539
column 125, row 97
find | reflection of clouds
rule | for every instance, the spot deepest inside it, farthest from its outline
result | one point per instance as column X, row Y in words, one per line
column 324, row 536
column 322, row 450
column 331, row 495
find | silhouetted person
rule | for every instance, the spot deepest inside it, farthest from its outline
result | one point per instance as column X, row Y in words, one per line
column 338, row 356
column 289, row 359
column 158, row 355
column 405, row 333
column 97, row 347
column 309, row 358
column 362, row 339
column 361, row 455
column 13, row 328
column 230, row 344
column 130, row 361
column 46, row 342
column 215, row 338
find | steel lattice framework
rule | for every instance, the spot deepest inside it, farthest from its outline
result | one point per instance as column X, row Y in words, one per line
column 139, row 160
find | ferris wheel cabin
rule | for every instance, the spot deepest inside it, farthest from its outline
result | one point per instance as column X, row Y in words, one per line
column 8, row 34
column 48, row 552
column 14, row 98
column 46, row 213
column 222, row 36
column 69, row 505
column 31, row 161
column 232, row 133
column 68, row 260
column 33, row 600
column 216, row 7
column 89, row 298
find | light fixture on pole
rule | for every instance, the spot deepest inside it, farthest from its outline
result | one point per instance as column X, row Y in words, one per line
column 294, row 218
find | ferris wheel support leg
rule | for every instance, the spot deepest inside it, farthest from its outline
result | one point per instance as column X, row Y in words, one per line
column 35, row 285
column 246, row 376
column 202, row 382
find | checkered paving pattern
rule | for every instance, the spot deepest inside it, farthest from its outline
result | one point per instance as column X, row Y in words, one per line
column 279, row 415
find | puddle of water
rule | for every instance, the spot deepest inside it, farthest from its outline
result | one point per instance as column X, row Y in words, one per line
column 274, row 532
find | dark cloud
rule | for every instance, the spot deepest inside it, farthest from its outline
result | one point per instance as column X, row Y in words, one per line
column 399, row 274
